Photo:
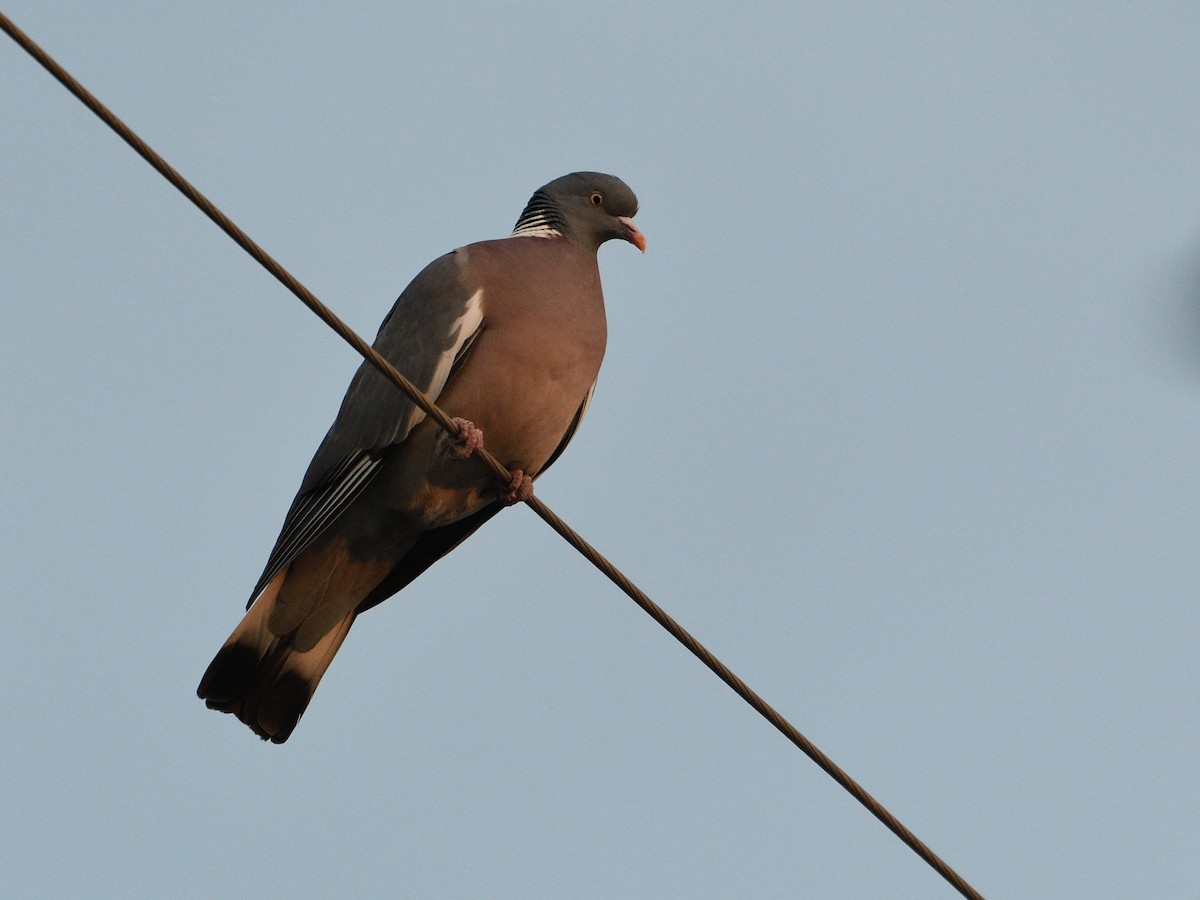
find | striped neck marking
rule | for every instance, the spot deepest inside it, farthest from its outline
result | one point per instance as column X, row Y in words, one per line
column 541, row 218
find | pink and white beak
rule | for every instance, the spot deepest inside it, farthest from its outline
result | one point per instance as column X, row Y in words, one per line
column 631, row 233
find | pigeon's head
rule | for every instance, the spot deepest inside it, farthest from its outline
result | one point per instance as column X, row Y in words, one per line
column 587, row 208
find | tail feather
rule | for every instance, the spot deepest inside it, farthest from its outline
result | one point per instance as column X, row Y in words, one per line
column 279, row 696
column 261, row 677
column 236, row 664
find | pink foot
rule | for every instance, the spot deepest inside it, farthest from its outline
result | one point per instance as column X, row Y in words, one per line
column 520, row 488
column 468, row 441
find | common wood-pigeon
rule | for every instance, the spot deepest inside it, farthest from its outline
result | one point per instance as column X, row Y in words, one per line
column 507, row 336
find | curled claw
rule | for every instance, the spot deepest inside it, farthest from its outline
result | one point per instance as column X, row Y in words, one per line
column 468, row 441
column 520, row 488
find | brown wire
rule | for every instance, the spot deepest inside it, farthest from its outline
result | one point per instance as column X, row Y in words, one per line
column 612, row 572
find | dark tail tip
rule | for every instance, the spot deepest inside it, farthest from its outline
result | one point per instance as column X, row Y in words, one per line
column 271, row 702
column 280, row 710
column 229, row 677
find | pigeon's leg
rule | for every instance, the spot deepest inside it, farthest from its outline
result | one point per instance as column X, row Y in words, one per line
column 520, row 488
column 468, row 440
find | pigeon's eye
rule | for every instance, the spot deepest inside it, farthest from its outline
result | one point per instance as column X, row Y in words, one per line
column 597, row 198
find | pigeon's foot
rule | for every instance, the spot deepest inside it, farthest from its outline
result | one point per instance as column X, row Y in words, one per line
column 468, row 441
column 520, row 488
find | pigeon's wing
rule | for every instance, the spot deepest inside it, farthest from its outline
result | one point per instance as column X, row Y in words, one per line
column 426, row 336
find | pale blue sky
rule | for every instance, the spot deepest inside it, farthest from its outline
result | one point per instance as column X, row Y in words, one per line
column 901, row 416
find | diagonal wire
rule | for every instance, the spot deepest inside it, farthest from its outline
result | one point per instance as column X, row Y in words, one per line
column 570, row 535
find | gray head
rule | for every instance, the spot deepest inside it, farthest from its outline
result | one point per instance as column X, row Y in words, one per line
column 587, row 208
